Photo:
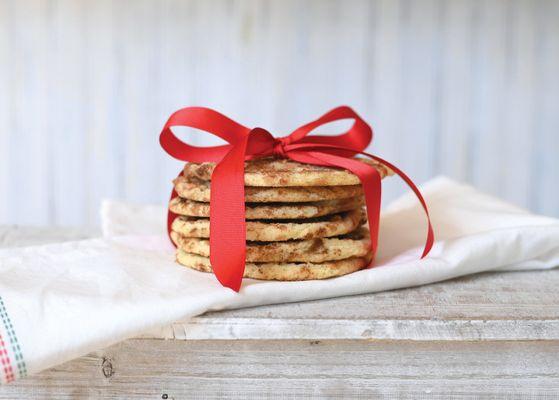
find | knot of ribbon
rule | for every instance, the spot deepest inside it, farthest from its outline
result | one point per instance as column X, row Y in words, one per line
column 279, row 148
column 227, row 195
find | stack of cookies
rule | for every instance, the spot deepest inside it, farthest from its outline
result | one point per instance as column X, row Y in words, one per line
column 303, row 221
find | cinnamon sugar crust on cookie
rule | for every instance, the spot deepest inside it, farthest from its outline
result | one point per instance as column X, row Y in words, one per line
column 192, row 208
column 283, row 271
column 192, row 188
column 355, row 244
column 279, row 230
column 279, row 172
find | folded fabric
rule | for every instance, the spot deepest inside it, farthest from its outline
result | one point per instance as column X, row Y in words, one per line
column 60, row 301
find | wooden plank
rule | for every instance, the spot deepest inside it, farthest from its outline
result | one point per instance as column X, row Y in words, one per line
column 140, row 369
column 384, row 94
column 138, row 32
column 545, row 167
column 328, row 24
column 218, row 327
column 456, row 88
column 6, row 111
column 181, row 38
column 508, row 296
column 67, row 95
column 489, row 57
column 103, row 129
column 520, row 102
column 28, row 193
column 420, row 74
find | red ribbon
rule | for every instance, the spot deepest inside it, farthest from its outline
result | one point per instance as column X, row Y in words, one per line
column 227, row 195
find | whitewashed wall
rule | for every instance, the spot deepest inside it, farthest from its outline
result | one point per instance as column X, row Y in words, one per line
column 469, row 89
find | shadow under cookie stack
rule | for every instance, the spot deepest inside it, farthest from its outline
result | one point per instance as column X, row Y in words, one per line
column 303, row 221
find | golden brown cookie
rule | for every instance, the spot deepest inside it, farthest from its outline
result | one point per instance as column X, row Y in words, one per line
column 271, row 210
column 196, row 189
column 283, row 271
column 355, row 244
column 273, row 231
column 279, row 172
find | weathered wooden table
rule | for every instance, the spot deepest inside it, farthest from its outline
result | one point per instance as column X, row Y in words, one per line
column 484, row 336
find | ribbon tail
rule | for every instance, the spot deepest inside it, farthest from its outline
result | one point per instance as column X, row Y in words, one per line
column 323, row 158
column 369, row 177
column 227, row 217
column 430, row 234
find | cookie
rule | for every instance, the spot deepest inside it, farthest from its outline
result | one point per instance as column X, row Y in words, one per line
column 280, row 172
column 196, row 189
column 191, row 208
column 272, row 231
column 355, row 244
column 283, row 271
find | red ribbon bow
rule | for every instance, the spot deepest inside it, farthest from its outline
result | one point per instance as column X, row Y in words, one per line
column 227, row 196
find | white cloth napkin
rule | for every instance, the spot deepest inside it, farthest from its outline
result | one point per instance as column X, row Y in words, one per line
column 60, row 301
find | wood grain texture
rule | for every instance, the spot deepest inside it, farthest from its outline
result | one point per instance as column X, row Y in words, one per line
column 148, row 369
column 220, row 328
column 490, row 306
column 463, row 88
column 512, row 296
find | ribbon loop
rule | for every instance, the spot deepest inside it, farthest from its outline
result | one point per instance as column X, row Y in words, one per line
column 227, row 205
column 357, row 137
column 204, row 119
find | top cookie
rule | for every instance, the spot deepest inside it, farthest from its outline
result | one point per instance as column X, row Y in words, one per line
column 192, row 188
column 278, row 172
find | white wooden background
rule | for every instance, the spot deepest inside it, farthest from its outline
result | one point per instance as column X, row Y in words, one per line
column 469, row 89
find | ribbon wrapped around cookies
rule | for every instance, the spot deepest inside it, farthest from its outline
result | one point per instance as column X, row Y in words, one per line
column 227, row 222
